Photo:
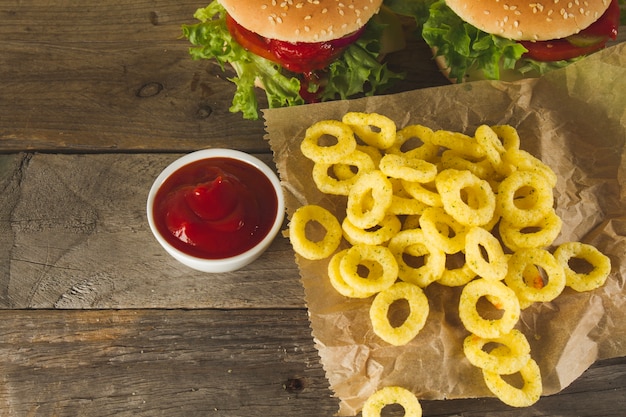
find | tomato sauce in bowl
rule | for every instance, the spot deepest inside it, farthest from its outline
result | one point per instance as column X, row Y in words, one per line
column 216, row 210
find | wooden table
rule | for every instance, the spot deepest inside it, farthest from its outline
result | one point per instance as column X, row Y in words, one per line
column 96, row 97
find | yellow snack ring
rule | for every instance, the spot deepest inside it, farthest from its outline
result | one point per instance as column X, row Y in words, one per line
column 524, row 161
column 481, row 167
column 372, row 186
column 581, row 281
column 516, row 356
column 442, row 230
column 495, row 266
column 542, row 234
column 537, row 291
column 494, row 290
column 422, row 193
column 337, row 281
column 344, row 146
column 384, row 231
column 481, row 201
column 372, row 128
column 418, row 313
column 357, row 162
column 413, row 242
column 314, row 249
column 392, row 395
column 362, row 254
column 513, row 396
column 408, row 169
column 341, row 186
column 425, row 150
column 463, row 144
column 457, row 277
column 508, row 135
column 537, row 198
column 491, row 145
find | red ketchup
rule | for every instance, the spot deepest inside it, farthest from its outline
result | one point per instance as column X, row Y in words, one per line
column 215, row 208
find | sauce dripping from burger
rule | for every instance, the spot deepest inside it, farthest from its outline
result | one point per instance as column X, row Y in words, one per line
column 306, row 58
column 589, row 40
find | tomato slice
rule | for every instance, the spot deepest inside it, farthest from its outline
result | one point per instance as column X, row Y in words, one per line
column 298, row 57
column 597, row 35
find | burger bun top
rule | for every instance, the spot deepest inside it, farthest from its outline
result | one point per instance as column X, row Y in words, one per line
column 530, row 19
column 302, row 20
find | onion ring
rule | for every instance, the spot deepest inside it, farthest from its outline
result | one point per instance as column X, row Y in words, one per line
column 314, row 249
column 538, row 291
column 383, row 135
column 358, row 255
column 375, row 186
column 580, row 281
column 493, row 268
column 517, row 354
column 510, row 395
column 392, row 395
column 494, row 290
column 346, row 143
column 412, row 242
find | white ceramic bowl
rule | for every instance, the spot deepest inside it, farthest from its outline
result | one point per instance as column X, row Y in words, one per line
column 223, row 264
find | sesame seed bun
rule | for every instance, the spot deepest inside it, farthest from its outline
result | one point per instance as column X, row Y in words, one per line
column 530, row 19
column 302, row 20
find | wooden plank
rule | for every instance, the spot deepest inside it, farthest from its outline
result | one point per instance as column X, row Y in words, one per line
column 211, row 362
column 74, row 234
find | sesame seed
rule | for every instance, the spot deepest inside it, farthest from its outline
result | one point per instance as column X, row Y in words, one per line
column 307, row 17
column 307, row 29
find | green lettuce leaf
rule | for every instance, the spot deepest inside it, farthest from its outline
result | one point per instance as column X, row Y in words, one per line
column 467, row 48
column 357, row 71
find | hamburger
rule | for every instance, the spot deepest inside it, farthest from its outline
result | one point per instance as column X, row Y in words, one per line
column 513, row 39
column 297, row 51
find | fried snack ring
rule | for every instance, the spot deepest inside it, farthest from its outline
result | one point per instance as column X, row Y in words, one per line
column 341, row 186
column 495, row 291
column 426, row 150
column 406, row 206
column 422, row 193
column 492, row 147
column 405, row 332
column 345, row 170
column 443, row 230
column 371, row 186
column 392, row 395
column 537, row 291
column 385, row 230
column 337, row 281
column 542, row 235
column 516, row 356
column 408, row 169
column 314, row 249
column 508, row 135
column 513, row 396
column 525, row 161
column 493, row 268
column 413, row 242
column 361, row 255
column 481, row 167
column 481, row 201
column 382, row 136
column 580, row 281
column 463, row 144
column 346, row 143
column 457, row 277
column 535, row 202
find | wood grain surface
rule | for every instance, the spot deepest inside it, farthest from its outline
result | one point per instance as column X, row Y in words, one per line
column 96, row 97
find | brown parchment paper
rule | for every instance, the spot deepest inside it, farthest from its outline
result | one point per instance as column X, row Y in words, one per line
column 574, row 120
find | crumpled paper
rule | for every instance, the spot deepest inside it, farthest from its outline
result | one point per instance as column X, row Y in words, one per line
column 575, row 121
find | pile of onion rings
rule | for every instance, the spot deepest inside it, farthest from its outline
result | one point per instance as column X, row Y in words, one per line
column 416, row 198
